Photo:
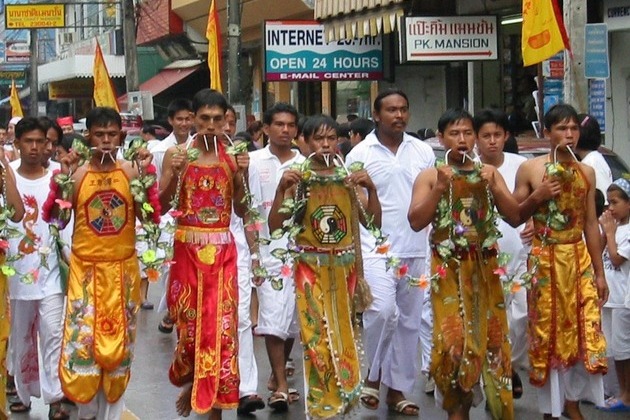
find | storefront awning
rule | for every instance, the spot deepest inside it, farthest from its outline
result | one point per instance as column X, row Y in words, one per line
column 78, row 66
column 357, row 19
column 166, row 78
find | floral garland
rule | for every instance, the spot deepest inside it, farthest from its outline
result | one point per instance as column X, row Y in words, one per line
column 7, row 231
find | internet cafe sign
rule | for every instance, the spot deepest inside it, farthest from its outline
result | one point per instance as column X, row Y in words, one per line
column 449, row 38
column 34, row 16
column 298, row 51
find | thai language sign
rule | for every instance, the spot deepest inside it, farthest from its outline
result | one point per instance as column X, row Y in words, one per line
column 298, row 51
column 34, row 16
column 449, row 38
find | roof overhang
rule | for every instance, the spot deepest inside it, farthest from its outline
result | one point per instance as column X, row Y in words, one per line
column 358, row 19
column 78, row 66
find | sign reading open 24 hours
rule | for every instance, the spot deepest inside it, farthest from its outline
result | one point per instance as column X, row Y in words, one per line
column 298, row 51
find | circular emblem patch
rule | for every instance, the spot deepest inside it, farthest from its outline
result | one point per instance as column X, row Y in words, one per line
column 106, row 212
column 329, row 224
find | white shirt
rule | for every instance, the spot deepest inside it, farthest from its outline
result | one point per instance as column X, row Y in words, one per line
column 47, row 280
column 394, row 175
column 159, row 150
column 510, row 242
column 603, row 175
column 618, row 278
column 265, row 172
column 52, row 165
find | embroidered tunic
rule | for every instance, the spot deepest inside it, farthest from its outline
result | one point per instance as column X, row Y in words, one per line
column 564, row 318
column 470, row 334
column 5, row 326
column 203, row 292
column 325, row 279
column 103, row 290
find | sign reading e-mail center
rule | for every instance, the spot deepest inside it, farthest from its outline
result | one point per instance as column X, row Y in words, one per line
column 298, row 51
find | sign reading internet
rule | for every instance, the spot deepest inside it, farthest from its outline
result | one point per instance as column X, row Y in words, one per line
column 449, row 38
column 298, row 51
column 34, row 16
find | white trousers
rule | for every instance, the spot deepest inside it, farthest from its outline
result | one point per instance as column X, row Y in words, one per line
column 517, row 323
column 100, row 409
column 391, row 325
column 30, row 318
column 574, row 384
column 276, row 310
column 246, row 359
column 426, row 331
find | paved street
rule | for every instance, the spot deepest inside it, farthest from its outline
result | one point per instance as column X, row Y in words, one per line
column 151, row 397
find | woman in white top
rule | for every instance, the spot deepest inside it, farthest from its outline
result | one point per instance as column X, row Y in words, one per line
column 589, row 142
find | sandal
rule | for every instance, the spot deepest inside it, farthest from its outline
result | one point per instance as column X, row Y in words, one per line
column 19, row 407
column 405, row 407
column 249, row 404
column 146, row 305
column 10, row 389
column 370, row 397
column 56, row 412
column 294, row 395
column 517, row 385
column 279, row 402
column 166, row 325
column 289, row 368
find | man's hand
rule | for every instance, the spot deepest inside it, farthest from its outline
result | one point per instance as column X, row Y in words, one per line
column 179, row 160
column 242, row 161
column 527, row 234
column 144, row 158
column 256, row 280
column 289, row 178
column 360, row 178
column 602, row 290
column 70, row 162
column 548, row 189
column 444, row 177
column 488, row 175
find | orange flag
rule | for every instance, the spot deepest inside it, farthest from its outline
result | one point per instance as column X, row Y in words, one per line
column 14, row 100
column 104, row 94
column 213, row 34
column 543, row 31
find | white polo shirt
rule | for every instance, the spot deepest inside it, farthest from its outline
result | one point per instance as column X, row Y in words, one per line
column 394, row 175
column 265, row 172
column 159, row 150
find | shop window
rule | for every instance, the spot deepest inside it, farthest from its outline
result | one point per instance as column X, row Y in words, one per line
column 353, row 98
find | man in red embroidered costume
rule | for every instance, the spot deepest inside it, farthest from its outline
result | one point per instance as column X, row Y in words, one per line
column 202, row 294
column 104, row 279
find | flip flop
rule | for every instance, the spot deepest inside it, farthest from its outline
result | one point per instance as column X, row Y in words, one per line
column 19, row 407
column 279, row 402
column 294, row 395
column 249, row 404
column 370, row 394
column 401, row 408
column 615, row 405
column 289, row 368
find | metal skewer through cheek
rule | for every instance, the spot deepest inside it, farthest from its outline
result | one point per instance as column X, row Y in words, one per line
column 463, row 154
column 555, row 153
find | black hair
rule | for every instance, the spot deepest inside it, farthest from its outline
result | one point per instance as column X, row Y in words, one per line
column 68, row 139
column 247, row 138
column 343, row 130
column 600, row 202
column 300, row 125
column 209, row 98
column 279, row 108
column 230, row 108
column 494, row 116
column 254, row 126
column 559, row 113
column 28, row 124
column 511, row 145
column 49, row 123
column 451, row 116
column 149, row 129
column 590, row 133
column 177, row 105
column 102, row 116
column 317, row 122
column 362, row 127
column 378, row 102
column 617, row 188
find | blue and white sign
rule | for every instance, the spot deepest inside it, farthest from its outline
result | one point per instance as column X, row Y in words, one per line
column 298, row 51
column 596, row 51
column 597, row 101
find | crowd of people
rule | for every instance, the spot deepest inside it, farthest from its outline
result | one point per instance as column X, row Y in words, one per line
column 481, row 261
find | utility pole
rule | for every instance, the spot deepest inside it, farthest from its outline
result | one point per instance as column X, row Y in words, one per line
column 234, row 46
column 33, row 79
column 131, row 49
column 575, row 83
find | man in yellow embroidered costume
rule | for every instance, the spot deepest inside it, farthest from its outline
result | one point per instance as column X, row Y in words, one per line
column 202, row 294
column 325, row 267
column 104, row 279
column 470, row 334
column 567, row 348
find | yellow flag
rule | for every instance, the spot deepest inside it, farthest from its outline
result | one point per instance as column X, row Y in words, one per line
column 104, row 94
column 14, row 100
column 213, row 34
column 543, row 31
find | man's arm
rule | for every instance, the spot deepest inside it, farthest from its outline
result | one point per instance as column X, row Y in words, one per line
column 240, row 184
column 175, row 161
column 13, row 196
column 286, row 189
column 528, row 197
column 358, row 181
column 427, row 191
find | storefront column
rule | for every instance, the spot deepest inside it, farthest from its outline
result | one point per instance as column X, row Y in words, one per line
column 326, row 98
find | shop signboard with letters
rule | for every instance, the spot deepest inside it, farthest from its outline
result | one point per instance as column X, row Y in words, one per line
column 448, row 38
column 298, row 51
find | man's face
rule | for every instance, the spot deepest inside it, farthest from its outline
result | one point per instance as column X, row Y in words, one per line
column 393, row 116
column 230, row 123
column 32, row 146
column 105, row 138
column 491, row 140
column 52, row 141
column 459, row 137
column 67, row 129
column 323, row 142
column 210, row 121
column 564, row 134
column 282, row 130
column 10, row 133
column 181, row 122
column 3, row 136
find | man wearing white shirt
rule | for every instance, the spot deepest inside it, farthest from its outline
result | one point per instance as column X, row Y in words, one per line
column 392, row 323
column 180, row 118
column 276, row 307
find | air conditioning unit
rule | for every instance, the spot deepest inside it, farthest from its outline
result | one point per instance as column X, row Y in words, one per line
column 66, row 38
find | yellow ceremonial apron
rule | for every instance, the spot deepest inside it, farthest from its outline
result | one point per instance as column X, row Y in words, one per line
column 103, row 290
column 564, row 318
column 5, row 324
column 325, row 278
